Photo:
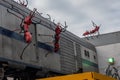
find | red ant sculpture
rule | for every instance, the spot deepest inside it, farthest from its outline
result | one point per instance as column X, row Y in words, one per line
column 86, row 33
column 93, row 31
column 58, row 31
column 27, row 22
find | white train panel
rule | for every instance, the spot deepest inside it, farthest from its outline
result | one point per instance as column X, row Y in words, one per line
column 49, row 60
column 89, row 59
column 45, row 40
column 13, row 41
column 45, row 35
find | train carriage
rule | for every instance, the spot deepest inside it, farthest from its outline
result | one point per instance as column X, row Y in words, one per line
column 38, row 57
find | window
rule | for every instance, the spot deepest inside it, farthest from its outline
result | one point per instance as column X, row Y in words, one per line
column 94, row 57
column 86, row 53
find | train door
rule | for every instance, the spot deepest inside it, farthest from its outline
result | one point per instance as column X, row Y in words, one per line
column 78, row 58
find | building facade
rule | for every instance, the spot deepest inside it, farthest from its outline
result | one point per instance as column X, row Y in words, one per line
column 107, row 46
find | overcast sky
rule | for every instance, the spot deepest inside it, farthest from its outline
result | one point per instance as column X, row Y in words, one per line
column 79, row 13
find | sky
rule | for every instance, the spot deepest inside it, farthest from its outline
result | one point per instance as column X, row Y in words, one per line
column 79, row 13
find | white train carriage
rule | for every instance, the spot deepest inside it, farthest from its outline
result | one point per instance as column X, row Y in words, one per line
column 39, row 58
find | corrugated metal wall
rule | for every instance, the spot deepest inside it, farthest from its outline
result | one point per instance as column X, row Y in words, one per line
column 68, row 63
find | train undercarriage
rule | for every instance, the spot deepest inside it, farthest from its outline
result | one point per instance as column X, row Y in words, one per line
column 26, row 73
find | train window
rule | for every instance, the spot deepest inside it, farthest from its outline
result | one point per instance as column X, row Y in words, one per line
column 94, row 57
column 86, row 53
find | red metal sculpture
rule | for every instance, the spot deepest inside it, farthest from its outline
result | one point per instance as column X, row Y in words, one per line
column 58, row 30
column 96, row 29
column 27, row 23
column 86, row 33
column 93, row 31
